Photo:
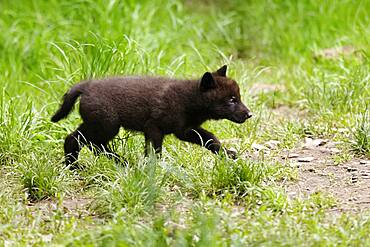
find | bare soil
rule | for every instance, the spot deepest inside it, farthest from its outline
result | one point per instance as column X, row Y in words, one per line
column 348, row 182
column 77, row 207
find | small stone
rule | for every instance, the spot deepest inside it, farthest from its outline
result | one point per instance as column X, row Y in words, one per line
column 295, row 165
column 365, row 162
column 272, row 144
column 312, row 143
column 352, row 199
column 258, row 147
column 332, row 144
column 293, row 155
column 323, row 150
column 321, row 161
column 311, row 169
column 351, row 169
column 306, row 159
column 334, row 150
column 365, row 175
column 354, row 179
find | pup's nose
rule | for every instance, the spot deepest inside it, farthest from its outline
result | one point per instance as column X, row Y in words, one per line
column 248, row 115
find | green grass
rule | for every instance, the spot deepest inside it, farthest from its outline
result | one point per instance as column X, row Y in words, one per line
column 188, row 197
column 361, row 134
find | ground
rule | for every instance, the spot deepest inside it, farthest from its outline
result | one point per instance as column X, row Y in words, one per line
column 346, row 181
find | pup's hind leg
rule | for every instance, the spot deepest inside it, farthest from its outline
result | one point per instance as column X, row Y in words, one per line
column 73, row 144
column 91, row 134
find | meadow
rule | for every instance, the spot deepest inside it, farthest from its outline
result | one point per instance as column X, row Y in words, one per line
column 304, row 71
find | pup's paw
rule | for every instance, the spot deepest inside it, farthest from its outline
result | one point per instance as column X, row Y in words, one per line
column 231, row 153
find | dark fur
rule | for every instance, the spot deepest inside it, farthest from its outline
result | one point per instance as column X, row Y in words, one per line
column 153, row 105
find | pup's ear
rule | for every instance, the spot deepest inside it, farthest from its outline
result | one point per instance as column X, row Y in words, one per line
column 207, row 82
column 222, row 71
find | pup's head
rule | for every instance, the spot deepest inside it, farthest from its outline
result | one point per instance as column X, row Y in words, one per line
column 222, row 97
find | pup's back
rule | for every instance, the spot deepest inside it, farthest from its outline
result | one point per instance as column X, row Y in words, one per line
column 127, row 101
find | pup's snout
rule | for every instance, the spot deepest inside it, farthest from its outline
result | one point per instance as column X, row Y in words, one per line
column 242, row 114
column 248, row 115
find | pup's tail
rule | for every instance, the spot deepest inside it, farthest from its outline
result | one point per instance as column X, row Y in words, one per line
column 68, row 101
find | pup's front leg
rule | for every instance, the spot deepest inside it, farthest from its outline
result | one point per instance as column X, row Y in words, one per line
column 204, row 138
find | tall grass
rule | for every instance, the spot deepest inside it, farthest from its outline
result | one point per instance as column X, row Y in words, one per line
column 361, row 134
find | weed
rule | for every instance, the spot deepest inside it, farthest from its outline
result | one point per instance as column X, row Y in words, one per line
column 361, row 134
column 134, row 189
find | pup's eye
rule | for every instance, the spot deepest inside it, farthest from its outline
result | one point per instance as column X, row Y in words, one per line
column 232, row 100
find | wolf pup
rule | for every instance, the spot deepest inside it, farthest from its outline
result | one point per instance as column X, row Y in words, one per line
column 153, row 105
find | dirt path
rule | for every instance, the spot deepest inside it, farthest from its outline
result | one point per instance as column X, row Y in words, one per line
column 348, row 182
